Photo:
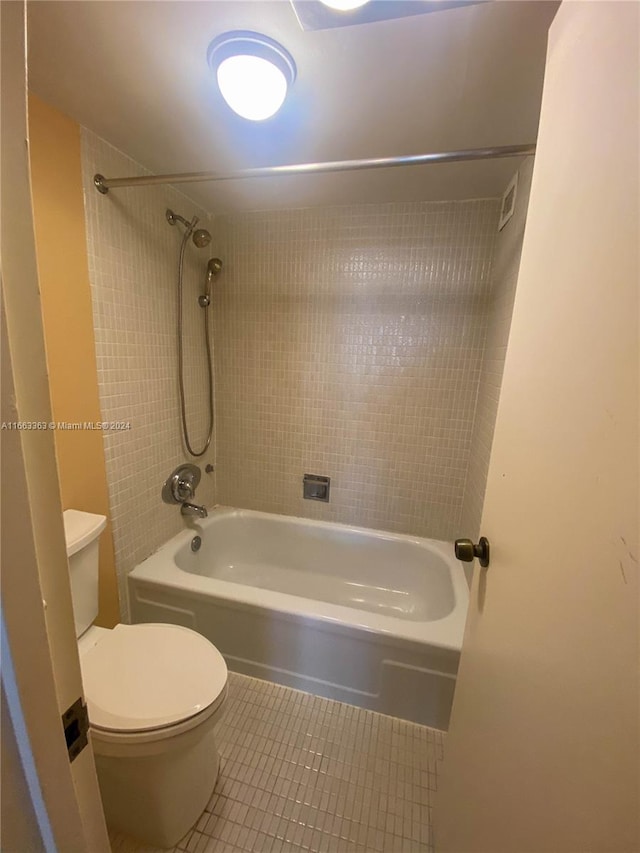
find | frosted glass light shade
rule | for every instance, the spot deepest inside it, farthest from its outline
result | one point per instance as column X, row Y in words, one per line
column 252, row 86
column 253, row 72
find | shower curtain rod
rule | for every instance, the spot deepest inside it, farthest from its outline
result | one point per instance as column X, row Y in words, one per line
column 103, row 185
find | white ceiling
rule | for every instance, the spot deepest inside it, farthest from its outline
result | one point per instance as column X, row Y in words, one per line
column 136, row 73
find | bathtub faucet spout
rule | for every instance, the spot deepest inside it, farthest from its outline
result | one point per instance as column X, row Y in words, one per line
column 193, row 509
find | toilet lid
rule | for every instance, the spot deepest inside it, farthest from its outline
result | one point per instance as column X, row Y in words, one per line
column 148, row 676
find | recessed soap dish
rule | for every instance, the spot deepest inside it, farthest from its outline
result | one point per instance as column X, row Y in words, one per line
column 315, row 487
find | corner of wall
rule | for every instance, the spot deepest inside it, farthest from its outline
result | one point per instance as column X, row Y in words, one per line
column 506, row 263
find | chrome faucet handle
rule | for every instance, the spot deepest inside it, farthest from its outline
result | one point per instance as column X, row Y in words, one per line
column 180, row 486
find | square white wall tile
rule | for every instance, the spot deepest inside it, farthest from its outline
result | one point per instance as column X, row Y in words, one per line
column 133, row 263
column 349, row 343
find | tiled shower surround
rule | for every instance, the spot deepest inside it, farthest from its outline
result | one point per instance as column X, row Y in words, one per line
column 365, row 343
column 133, row 259
column 349, row 343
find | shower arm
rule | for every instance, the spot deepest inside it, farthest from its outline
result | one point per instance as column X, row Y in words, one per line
column 173, row 217
column 103, row 185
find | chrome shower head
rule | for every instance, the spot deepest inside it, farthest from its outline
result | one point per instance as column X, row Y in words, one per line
column 201, row 238
column 213, row 267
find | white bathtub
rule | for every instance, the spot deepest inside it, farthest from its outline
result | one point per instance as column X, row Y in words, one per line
column 370, row 618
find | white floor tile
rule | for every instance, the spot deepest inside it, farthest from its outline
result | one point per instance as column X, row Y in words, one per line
column 302, row 774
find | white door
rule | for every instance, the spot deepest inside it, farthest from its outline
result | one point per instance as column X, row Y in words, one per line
column 542, row 753
column 48, row 801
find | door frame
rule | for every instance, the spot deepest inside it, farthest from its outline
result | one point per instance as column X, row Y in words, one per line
column 41, row 670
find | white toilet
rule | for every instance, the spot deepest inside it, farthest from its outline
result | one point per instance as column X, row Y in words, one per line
column 154, row 694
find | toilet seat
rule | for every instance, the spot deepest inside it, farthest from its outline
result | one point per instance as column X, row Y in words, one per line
column 152, row 678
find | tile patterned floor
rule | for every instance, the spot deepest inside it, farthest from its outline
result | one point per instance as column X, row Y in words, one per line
column 301, row 774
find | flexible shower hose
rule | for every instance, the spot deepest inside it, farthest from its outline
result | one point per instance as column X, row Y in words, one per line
column 185, row 432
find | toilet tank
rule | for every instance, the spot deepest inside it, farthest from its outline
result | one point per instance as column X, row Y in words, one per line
column 82, row 531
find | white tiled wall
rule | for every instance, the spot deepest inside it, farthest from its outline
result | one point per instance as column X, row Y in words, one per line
column 506, row 262
column 349, row 343
column 133, row 258
column 365, row 343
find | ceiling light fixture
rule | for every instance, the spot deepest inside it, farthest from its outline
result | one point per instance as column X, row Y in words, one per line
column 329, row 14
column 253, row 72
column 344, row 5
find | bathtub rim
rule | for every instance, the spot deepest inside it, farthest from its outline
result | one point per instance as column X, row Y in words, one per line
column 160, row 569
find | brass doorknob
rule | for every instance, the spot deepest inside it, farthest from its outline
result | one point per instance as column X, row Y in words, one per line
column 466, row 551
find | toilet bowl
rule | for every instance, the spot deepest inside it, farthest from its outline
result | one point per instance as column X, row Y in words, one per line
column 154, row 694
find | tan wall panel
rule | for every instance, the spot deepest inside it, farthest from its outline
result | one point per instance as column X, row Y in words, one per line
column 68, row 324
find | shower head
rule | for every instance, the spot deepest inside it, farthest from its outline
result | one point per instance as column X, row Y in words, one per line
column 201, row 237
column 213, row 267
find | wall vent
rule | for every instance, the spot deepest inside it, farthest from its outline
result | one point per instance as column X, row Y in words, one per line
column 508, row 202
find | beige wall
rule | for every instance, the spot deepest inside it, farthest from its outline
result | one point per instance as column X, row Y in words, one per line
column 542, row 753
column 349, row 343
column 133, row 262
column 54, row 147
column 506, row 262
